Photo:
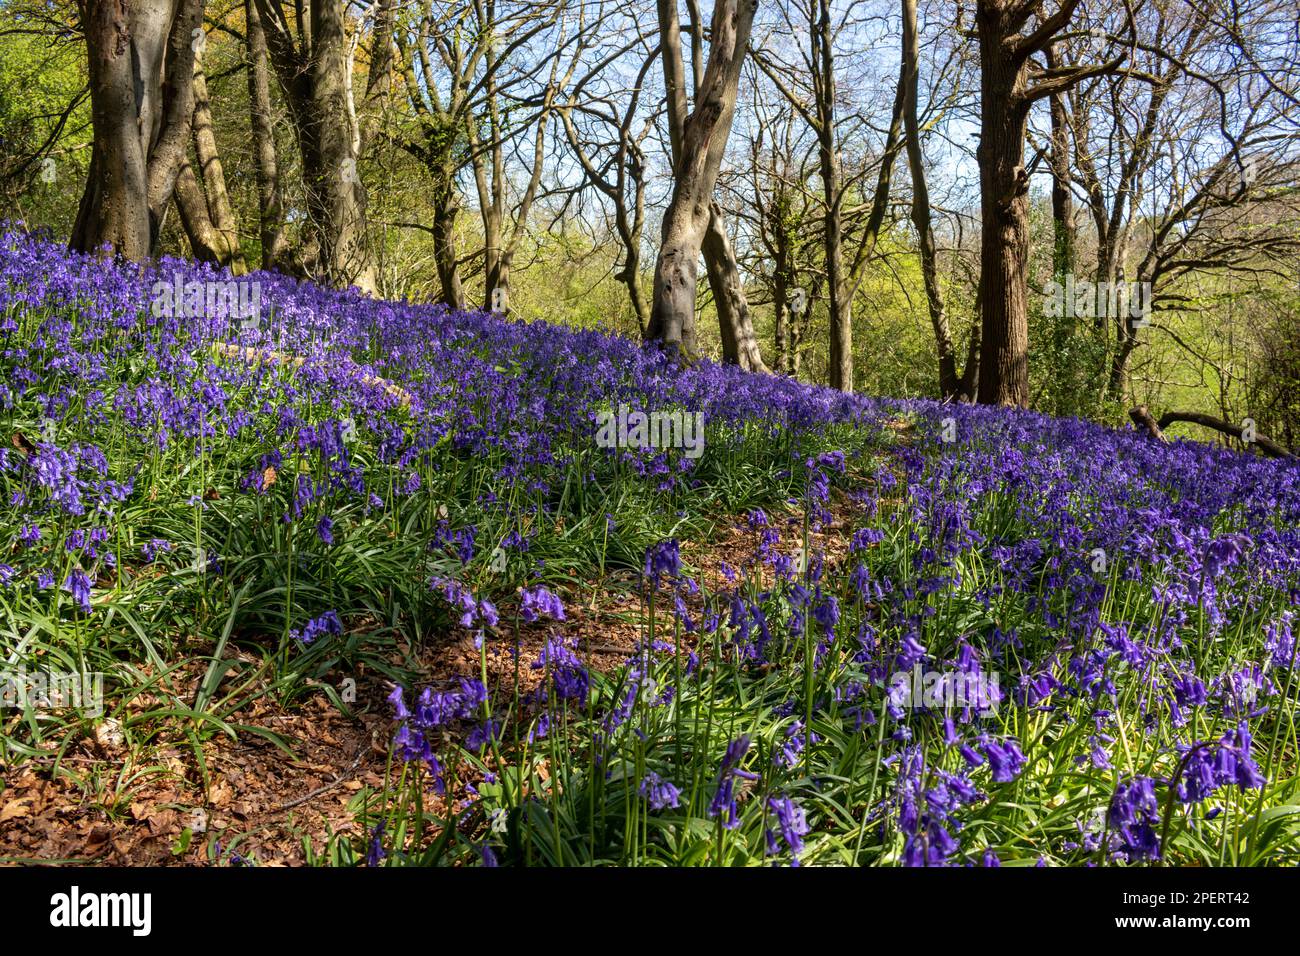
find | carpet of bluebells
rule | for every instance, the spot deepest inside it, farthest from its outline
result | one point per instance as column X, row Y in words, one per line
column 1039, row 642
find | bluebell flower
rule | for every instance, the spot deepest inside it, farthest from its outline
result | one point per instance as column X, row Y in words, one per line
column 791, row 826
column 723, row 805
column 658, row 792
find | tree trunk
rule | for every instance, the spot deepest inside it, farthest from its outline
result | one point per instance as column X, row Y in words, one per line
column 739, row 344
column 340, row 195
column 270, row 202
column 225, row 231
column 672, row 316
column 781, row 315
column 703, row 141
column 498, row 282
column 491, row 210
column 1063, row 226
column 840, row 294
column 970, row 376
column 1143, row 418
column 1004, row 206
column 445, row 209
column 313, row 72
column 1117, row 380
column 498, row 247
column 780, row 246
column 949, row 383
column 207, row 244
column 630, row 232
column 630, row 276
column 140, row 65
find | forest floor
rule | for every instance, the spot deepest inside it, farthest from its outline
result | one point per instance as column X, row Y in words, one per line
column 100, row 804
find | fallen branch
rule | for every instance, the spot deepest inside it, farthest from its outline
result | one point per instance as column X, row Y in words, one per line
column 344, row 776
column 1146, row 421
column 1143, row 419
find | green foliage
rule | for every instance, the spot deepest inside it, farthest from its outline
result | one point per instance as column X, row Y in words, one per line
column 45, row 129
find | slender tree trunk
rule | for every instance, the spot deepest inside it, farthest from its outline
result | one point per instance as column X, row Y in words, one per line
column 1117, row 380
column 840, row 294
column 949, row 383
column 781, row 246
column 839, row 299
column 345, row 244
column 270, row 202
column 1063, row 227
column 445, row 209
column 495, row 275
column 630, row 276
column 499, row 248
column 970, row 376
column 498, row 282
column 739, row 344
column 140, row 66
column 781, row 310
column 207, row 244
column 213, row 178
column 631, row 231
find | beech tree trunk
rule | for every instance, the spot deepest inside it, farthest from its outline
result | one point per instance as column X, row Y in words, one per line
column 141, row 75
column 970, row 377
column 703, row 142
column 207, row 243
column 202, row 199
column 782, row 330
column 630, row 225
column 739, row 344
column 839, row 291
column 630, row 276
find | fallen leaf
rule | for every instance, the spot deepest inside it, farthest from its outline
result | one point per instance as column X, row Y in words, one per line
column 22, row 444
column 15, row 809
column 221, row 796
column 162, row 823
column 109, row 736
